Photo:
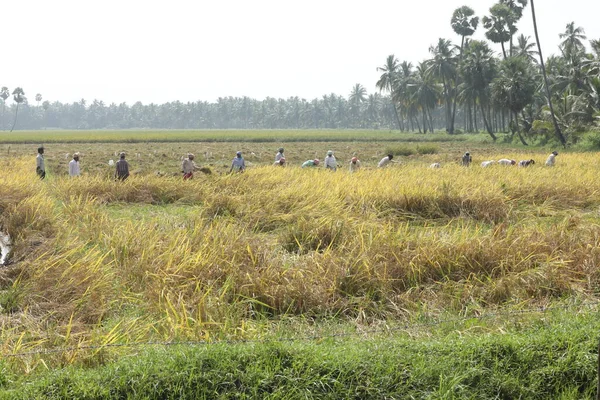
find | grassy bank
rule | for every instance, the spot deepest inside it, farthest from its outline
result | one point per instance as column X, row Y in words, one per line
column 551, row 358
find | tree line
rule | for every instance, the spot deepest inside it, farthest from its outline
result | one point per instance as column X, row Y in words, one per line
column 463, row 87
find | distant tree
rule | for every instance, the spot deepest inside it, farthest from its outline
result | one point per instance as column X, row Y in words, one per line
column 525, row 49
column 513, row 88
column 517, row 7
column 443, row 67
column 46, row 106
column 500, row 25
column 573, row 37
column 387, row 79
column 549, row 98
column 4, row 94
column 464, row 24
column 358, row 95
column 18, row 97
column 478, row 70
column 38, row 98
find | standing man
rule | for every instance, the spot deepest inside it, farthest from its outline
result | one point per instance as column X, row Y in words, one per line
column 74, row 166
column 188, row 166
column 122, row 171
column 40, row 167
column 279, row 154
column 238, row 164
column 354, row 164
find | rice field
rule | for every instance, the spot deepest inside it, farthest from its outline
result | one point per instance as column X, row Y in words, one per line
column 99, row 262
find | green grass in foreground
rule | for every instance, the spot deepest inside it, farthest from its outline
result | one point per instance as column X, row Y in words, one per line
column 164, row 136
column 550, row 358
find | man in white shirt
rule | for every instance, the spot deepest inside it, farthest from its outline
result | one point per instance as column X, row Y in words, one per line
column 551, row 159
column 188, row 166
column 330, row 161
column 279, row 154
column 40, row 165
column 385, row 160
column 74, row 166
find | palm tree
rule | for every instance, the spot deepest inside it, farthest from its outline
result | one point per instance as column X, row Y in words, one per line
column 4, row 94
column 358, row 95
column 572, row 43
column 517, row 7
column 514, row 88
column 525, row 49
column 386, row 81
column 537, row 39
column 45, row 106
column 443, row 67
column 478, row 70
column 423, row 94
column 500, row 25
column 38, row 98
column 464, row 24
column 18, row 97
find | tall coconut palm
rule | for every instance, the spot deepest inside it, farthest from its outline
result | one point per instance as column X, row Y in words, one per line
column 386, row 81
column 464, row 24
column 537, row 39
column 478, row 70
column 4, row 94
column 358, row 95
column 572, row 42
column 423, row 92
column 500, row 25
column 18, row 97
column 513, row 88
column 443, row 67
column 525, row 49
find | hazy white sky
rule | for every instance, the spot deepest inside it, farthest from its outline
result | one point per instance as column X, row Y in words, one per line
column 188, row 50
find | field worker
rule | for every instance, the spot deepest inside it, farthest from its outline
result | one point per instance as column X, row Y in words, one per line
column 280, row 162
column 354, row 164
column 466, row 159
column 506, row 161
column 122, row 169
column 385, row 160
column 188, row 166
column 5, row 247
column 551, row 159
column 486, row 164
column 435, row 165
column 526, row 163
column 279, row 154
column 238, row 164
column 40, row 166
column 74, row 166
column 330, row 161
column 311, row 163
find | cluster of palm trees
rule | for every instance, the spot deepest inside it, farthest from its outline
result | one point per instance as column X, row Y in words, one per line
column 472, row 85
column 464, row 87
